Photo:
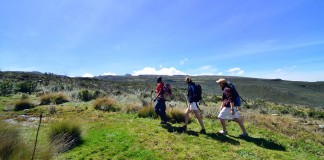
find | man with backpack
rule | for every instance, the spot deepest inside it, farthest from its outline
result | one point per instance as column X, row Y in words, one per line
column 193, row 99
column 228, row 109
column 160, row 106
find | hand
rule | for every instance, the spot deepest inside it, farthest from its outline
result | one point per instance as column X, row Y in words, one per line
column 232, row 111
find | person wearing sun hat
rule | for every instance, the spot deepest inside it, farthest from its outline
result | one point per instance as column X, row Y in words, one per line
column 227, row 109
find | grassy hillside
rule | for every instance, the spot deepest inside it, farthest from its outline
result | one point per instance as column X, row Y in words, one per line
column 275, row 90
column 105, row 110
column 126, row 136
column 310, row 94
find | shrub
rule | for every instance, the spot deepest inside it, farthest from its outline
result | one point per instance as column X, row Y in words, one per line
column 6, row 88
column 105, row 104
column 298, row 113
column 23, row 104
column 147, row 111
column 52, row 110
column 316, row 114
column 85, row 95
column 65, row 135
column 57, row 98
column 26, row 87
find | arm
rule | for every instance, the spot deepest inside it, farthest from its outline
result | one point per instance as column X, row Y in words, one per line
column 229, row 95
column 158, row 90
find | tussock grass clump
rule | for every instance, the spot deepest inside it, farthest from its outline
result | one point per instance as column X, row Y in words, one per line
column 56, row 98
column 105, row 104
column 65, row 135
column 147, row 111
column 23, row 104
column 12, row 145
column 131, row 108
column 176, row 115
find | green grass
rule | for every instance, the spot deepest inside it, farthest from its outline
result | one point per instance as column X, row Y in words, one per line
column 125, row 136
column 115, row 135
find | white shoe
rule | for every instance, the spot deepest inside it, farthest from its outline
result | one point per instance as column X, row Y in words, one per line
column 222, row 132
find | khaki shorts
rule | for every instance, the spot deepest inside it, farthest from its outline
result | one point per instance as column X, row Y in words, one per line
column 193, row 106
column 225, row 113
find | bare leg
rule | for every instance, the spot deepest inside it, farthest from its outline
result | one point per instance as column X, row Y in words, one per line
column 197, row 113
column 187, row 116
column 239, row 121
column 222, row 121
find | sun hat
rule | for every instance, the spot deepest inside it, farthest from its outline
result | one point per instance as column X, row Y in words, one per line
column 188, row 79
column 221, row 80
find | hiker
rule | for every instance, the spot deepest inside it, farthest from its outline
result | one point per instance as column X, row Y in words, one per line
column 193, row 106
column 160, row 106
column 227, row 110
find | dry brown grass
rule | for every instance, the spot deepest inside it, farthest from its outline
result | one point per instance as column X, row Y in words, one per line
column 56, row 98
column 105, row 104
column 286, row 125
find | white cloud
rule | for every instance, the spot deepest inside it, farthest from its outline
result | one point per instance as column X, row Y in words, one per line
column 205, row 67
column 182, row 62
column 220, row 73
column 87, row 75
column 110, row 74
column 236, row 71
column 162, row 71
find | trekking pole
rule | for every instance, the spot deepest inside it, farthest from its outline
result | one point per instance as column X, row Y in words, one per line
column 151, row 104
column 243, row 100
column 40, row 121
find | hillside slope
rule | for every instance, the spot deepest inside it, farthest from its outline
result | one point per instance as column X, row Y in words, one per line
column 310, row 94
column 120, row 136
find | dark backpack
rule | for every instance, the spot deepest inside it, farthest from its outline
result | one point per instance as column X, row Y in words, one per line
column 167, row 92
column 236, row 96
column 197, row 92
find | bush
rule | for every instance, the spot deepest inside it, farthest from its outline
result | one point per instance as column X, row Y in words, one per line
column 316, row 114
column 57, row 98
column 23, row 104
column 105, row 104
column 6, row 88
column 147, row 111
column 85, row 95
column 298, row 113
column 26, row 87
column 65, row 135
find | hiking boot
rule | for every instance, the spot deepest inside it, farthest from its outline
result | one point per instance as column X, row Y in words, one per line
column 222, row 132
column 203, row 131
column 184, row 128
column 244, row 135
column 163, row 122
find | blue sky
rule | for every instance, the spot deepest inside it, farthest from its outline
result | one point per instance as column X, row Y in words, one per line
column 251, row 38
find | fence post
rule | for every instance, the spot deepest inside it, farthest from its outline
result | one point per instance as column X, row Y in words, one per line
column 40, row 121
